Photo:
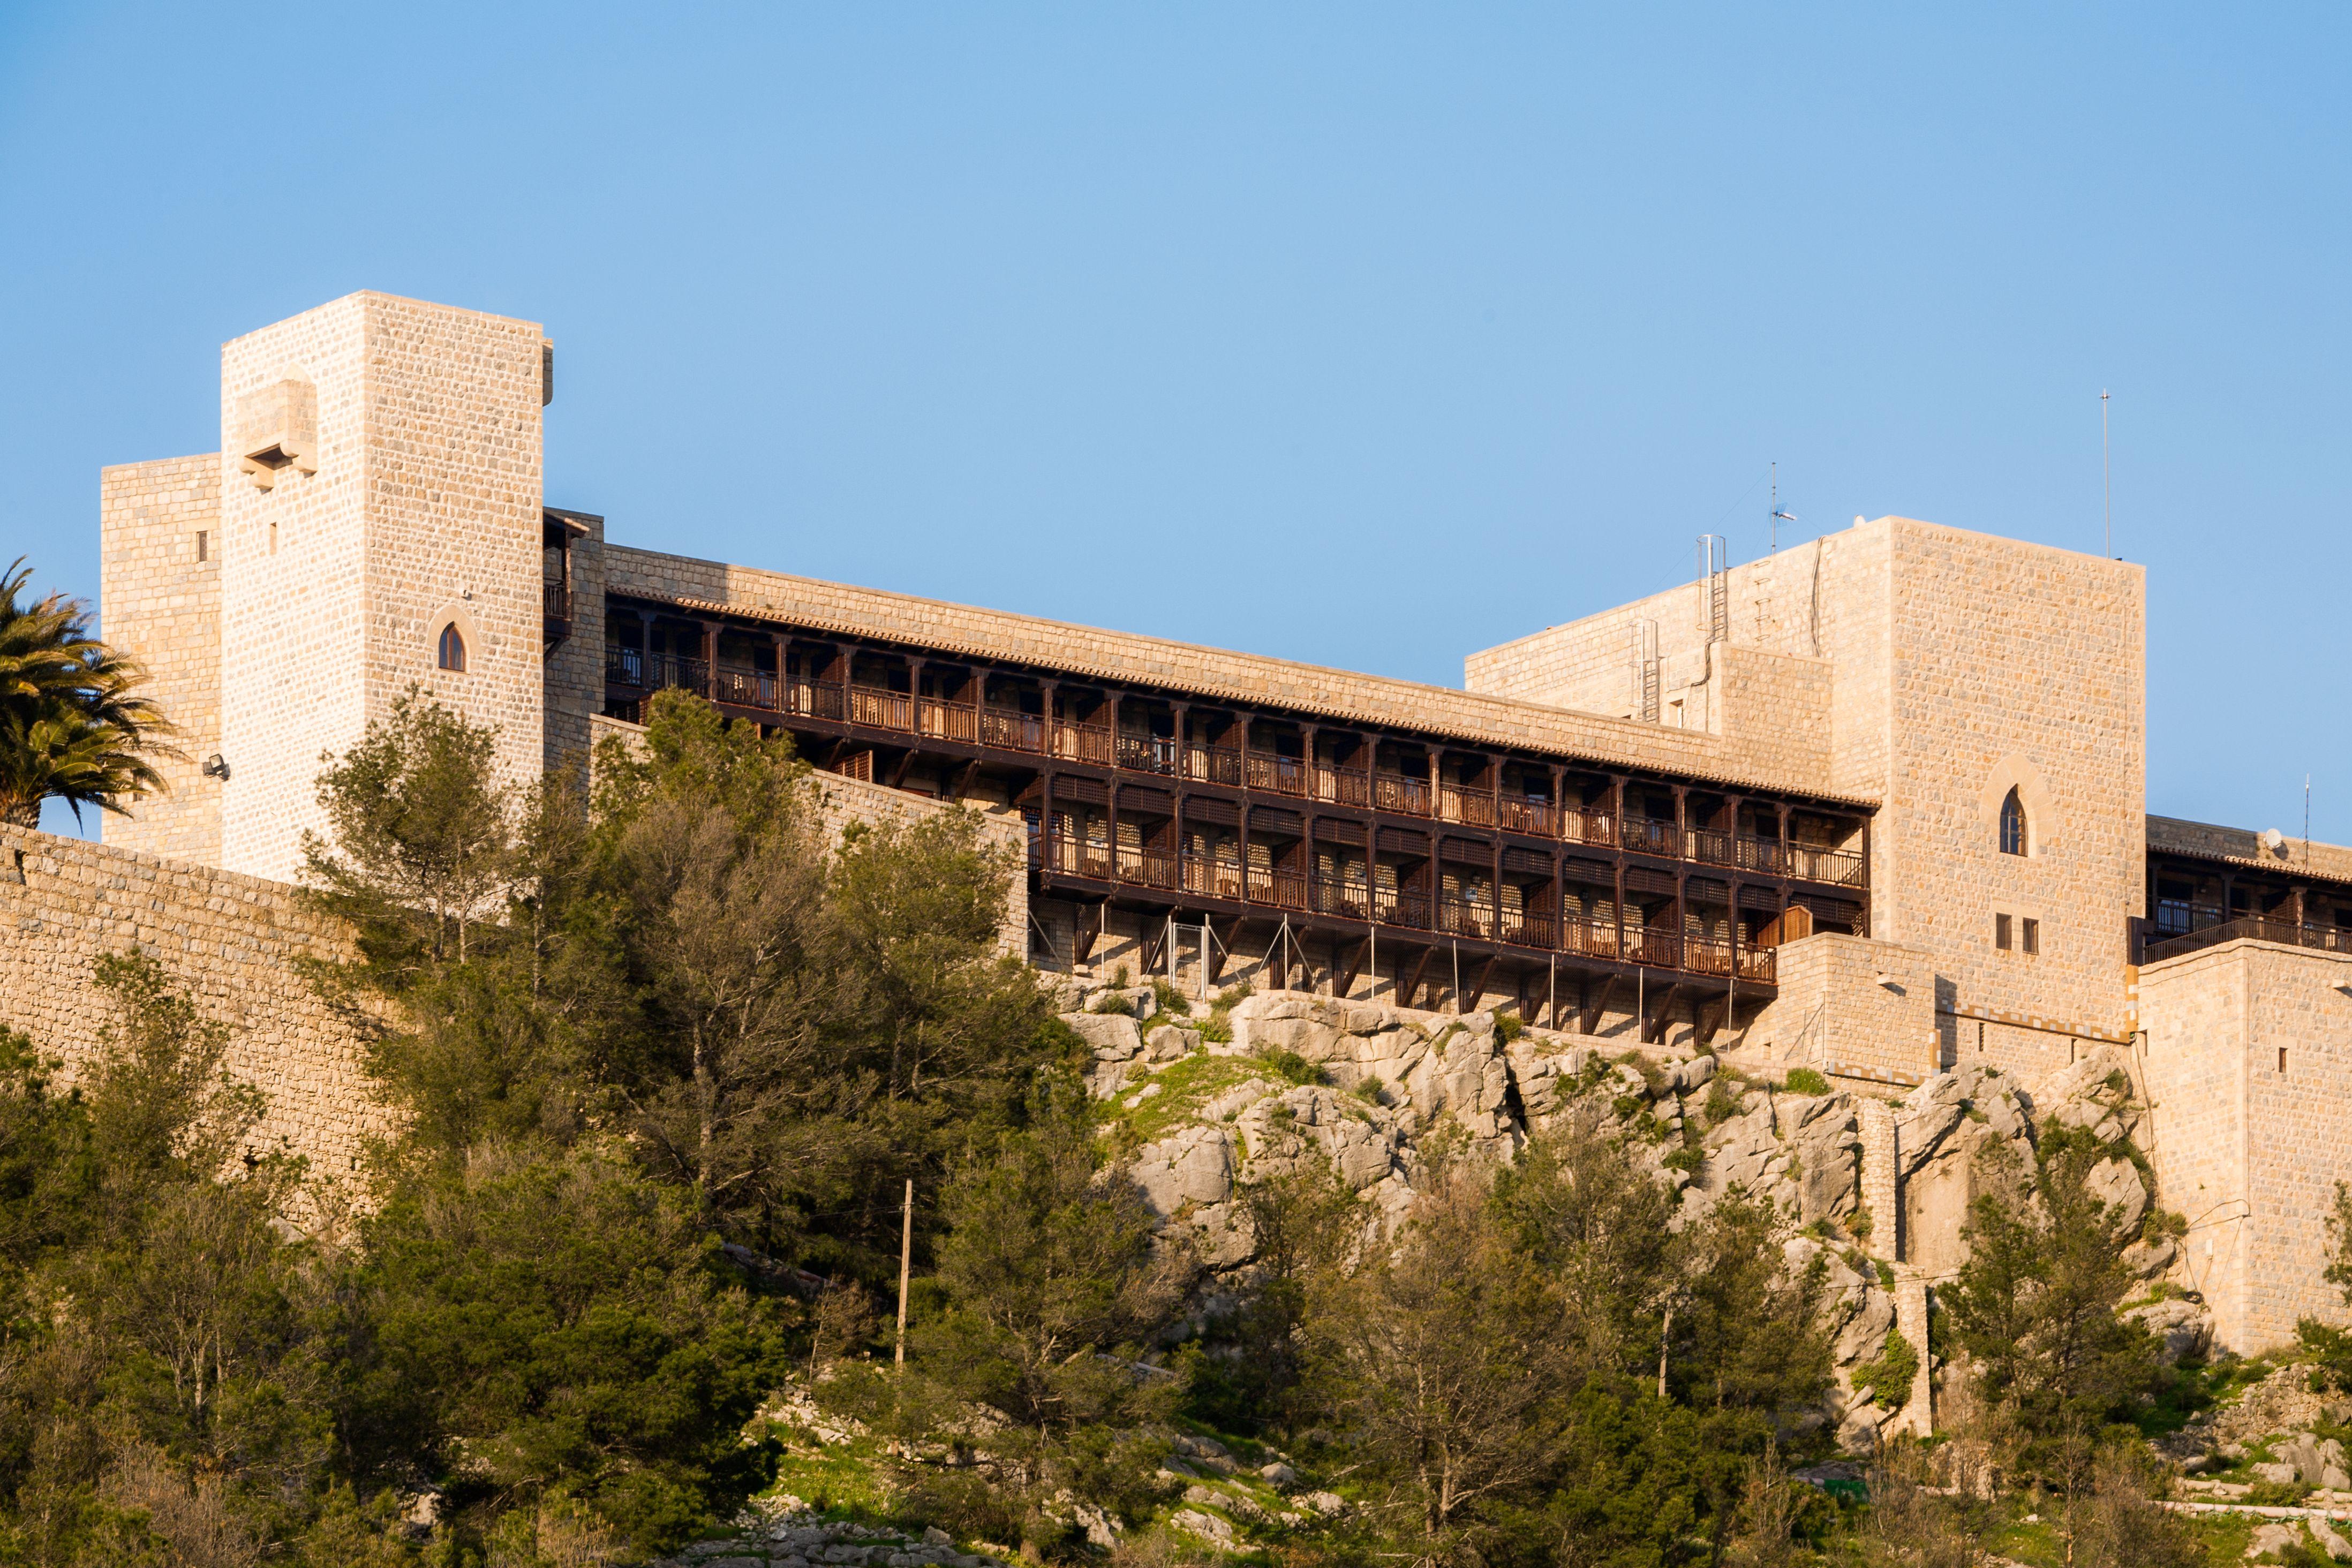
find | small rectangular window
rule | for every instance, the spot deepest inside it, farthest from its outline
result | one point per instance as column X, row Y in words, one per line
column 2031, row 936
column 2281, row 1061
column 2000, row 932
column 204, row 544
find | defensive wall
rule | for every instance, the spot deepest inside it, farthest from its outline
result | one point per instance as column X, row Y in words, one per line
column 234, row 943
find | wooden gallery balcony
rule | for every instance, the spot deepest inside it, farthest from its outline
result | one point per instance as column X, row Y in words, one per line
column 1392, row 845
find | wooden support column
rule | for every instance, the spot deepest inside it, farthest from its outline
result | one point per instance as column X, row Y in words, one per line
column 1408, row 990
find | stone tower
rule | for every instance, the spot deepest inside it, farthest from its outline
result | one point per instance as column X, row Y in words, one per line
column 378, row 527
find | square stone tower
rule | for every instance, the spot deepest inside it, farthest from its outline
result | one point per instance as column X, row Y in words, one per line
column 379, row 528
column 1963, row 669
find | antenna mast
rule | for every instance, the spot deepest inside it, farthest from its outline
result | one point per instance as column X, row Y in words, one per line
column 2107, row 473
column 1779, row 517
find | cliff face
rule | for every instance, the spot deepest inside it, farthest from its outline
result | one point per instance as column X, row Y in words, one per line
column 1209, row 1101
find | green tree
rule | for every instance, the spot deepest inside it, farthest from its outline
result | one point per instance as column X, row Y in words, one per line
column 2035, row 1307
column 1050, row 1282
column 72, row 727
column 541, row 1321
column 173, row 1389
column 1451, row 1365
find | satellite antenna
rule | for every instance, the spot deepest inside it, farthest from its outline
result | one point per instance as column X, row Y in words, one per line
column 1779, row 517
column 2271, row 839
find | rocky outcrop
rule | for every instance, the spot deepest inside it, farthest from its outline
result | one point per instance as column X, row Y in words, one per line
column 1218, row 1091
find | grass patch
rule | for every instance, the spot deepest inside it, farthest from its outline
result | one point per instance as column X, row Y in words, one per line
column 1805, row 1080
column 1185, row 1087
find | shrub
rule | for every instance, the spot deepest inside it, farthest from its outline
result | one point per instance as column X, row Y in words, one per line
column 1685, row 1160
column 1805, row 1080
column 1368, row 1092
column 1509, row 1026
column 1293, row 1066
column 1171, row 1000
column 1216, row 1028
column 1889, row 1377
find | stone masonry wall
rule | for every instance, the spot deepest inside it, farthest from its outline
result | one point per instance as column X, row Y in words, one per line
column 232, row 941
column 2248, row 1148
column 424, row 510
column 2015, row 665
column 293, row 587
column 1833, row 1015
column 159, row 601
column 1784, row 758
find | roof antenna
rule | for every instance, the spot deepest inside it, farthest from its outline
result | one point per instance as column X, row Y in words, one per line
column 1779, row 517
column 2107, row 473
column 2307, row 822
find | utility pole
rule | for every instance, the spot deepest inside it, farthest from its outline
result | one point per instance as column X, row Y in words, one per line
column 906, row 1261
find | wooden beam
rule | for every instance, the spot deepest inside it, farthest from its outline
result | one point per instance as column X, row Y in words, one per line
column 898, row 776
column 1477, row 990
column 1344, row 971
column 1707, row 1017
column 1089, row 932
column 964, row 778
column 1591, row 1002
column 1653, row 1027
column 1410, row 988
column 1154, row 943
column 1219, row 942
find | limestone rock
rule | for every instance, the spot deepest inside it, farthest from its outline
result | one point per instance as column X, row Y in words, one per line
column 1170, row 1043
column 1192, row 1165
column 2184, row 1327
column 2116, row 1182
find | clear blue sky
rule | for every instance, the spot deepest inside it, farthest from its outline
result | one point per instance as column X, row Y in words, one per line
column 1363, row 334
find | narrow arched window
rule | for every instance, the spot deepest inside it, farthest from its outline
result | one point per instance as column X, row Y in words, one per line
column 453, row 655
column 2013, row 825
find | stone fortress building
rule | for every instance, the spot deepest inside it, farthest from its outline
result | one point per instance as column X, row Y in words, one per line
column 1874, row 806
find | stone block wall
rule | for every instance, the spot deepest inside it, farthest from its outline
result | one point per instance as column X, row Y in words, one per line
column 231, row 941
column 420, row 509
column 1834, row 1013
column 2249, row 1144
column 160, row 546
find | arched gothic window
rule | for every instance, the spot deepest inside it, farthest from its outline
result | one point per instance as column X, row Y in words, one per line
column 453, row 656
column 2013, row 825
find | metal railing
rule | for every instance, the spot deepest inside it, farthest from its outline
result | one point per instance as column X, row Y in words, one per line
column 2320, row 939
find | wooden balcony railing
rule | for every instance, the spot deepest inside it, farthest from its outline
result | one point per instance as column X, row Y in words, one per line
column 1211, row 877
column 1400, row 793
column 1080, row 743
column 1461, row 917
column 1402, row 907
column 1146, row 754
column 2322, row 939
column 1344, row 787
column 1011, row 732
column 1594, row 828
column 557, row 601
column 1215, row 764
column 1652, row 835
column 1099, row 744
column 1278, row 890
column 1275, row 775
column 1349, row 899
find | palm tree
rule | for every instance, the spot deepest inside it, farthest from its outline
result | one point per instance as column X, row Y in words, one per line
column 70, row 726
